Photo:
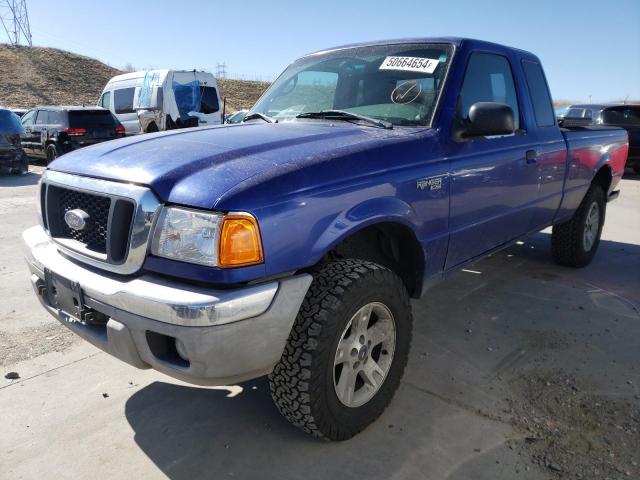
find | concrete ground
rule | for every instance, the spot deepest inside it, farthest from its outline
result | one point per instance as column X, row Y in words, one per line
column 519, row 369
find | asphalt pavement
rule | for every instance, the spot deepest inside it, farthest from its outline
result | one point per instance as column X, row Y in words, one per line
column 488, row 343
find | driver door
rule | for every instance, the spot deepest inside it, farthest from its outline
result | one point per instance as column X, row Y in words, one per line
column 493, row 187
column 26, row 139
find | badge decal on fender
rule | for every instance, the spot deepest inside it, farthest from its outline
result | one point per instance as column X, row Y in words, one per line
column 433, row 183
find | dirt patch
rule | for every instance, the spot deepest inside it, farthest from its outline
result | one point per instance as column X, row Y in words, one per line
column 33, row 342
column 571, row 433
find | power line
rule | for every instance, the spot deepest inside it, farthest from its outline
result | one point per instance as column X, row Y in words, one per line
column 15, row 21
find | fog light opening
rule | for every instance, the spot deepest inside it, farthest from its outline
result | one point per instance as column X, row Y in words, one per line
column 182, row 351
column 165, row 348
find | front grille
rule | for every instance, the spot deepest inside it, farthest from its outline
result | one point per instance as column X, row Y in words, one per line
column 95, row 235
column 119, row 217
column 109, row 220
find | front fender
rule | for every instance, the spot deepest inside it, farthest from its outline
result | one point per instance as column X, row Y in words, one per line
column 362, row 215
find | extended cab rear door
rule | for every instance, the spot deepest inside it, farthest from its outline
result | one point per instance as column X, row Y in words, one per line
column 551, row 151
column 493, row 184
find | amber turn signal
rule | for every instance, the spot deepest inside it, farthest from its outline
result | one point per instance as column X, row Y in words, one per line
column 240, row 242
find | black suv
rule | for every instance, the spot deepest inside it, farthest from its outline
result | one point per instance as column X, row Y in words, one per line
column 12, row 157
column 625, row 116
column 52, row 131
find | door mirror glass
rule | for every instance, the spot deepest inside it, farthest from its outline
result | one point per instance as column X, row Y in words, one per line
column 490, row 118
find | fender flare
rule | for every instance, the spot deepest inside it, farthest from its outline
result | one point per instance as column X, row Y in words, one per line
column 365, row 214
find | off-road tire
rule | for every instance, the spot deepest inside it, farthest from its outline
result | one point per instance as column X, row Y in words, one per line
column 567, row 243
column 302, row 384
column 52, row 152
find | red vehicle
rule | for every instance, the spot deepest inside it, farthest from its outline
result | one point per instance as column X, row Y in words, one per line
column 618, row 115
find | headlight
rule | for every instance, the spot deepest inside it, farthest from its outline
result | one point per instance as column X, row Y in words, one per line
column 205, row 238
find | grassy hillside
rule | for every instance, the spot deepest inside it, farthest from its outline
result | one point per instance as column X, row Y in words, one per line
column 31, row 76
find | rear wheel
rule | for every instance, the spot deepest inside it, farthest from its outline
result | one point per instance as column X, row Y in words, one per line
column 574, row 243
column 346, row 352
column 52, row 152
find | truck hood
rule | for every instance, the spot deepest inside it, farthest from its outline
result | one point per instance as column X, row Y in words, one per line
column 197, row 166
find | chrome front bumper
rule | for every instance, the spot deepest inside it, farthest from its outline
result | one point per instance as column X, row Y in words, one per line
column 223, row 336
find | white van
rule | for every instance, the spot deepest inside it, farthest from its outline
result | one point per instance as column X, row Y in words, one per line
column 154, row 100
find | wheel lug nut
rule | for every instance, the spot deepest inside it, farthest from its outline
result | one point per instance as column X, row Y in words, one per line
column 354, row 352
column 361, row 339
column 356, row 365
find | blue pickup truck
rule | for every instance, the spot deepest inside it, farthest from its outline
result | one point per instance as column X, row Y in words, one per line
column 290, row 245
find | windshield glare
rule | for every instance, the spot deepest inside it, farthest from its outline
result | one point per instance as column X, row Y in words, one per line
column 396, row 83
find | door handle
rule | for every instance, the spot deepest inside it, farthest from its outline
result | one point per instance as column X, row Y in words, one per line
column 531, row 156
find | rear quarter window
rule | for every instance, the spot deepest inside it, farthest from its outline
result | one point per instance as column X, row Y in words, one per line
column 539, row 93
column 57, row 118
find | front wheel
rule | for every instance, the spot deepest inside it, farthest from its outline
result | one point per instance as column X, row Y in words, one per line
column 52, row 153
column 23, row 169
column 574, row 243
column 346, row 352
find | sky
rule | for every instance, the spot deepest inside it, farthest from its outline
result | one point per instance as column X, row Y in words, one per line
column 590, row 49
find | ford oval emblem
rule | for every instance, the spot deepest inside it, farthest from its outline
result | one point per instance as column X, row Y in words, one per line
column 76, row 219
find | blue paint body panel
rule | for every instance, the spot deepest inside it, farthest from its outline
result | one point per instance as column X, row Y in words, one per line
column 311, row 184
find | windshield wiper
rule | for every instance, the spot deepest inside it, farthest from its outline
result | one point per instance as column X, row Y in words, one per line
column 344, row 115
column 261, row 116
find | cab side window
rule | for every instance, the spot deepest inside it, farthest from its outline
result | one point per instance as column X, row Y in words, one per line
column 42, row 118
column 123, row 100
column 488, row 79
column 28, row 118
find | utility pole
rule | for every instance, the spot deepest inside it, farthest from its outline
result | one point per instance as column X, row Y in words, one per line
column 15, row 21
column 221, row 70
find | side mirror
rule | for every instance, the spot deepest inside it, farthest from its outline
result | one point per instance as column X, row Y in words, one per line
column 489, row 118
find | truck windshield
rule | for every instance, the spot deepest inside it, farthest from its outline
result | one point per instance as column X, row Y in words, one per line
column 398, row 83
